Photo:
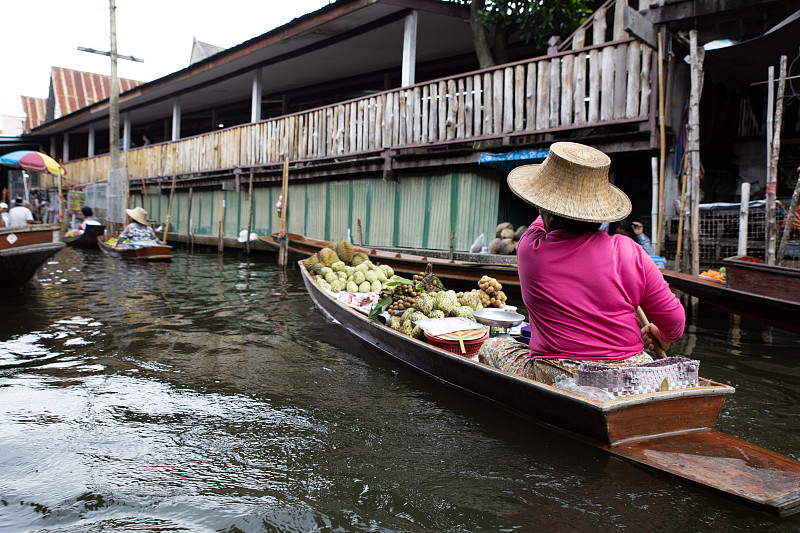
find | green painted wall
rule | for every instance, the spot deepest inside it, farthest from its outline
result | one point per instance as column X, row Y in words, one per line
column 417, row 211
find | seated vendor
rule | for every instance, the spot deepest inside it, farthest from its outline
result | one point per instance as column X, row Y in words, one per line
column 88, row 220
column 582, row 286
column 139, row 230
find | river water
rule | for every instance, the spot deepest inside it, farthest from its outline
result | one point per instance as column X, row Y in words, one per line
column 207, row 394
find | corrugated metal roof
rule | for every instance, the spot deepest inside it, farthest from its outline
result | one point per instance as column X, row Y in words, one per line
column 35, row 109
column 74, row 89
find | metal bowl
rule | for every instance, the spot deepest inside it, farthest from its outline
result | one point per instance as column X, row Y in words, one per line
column 497, row 318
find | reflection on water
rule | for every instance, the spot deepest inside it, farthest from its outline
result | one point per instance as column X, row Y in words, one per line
column 207, row 394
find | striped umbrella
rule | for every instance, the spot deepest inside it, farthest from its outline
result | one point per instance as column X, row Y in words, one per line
column 32, row 161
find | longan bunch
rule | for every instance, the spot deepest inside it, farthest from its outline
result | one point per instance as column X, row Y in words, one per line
column 491, row 292
column 403, row 297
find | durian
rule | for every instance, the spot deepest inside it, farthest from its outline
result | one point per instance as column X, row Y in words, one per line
column 358, row 258
column 327, row 256
column 344, row 249
column 311, row 262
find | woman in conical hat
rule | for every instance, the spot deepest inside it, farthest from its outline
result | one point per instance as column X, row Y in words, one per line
column 580, row 285
column 139, row 230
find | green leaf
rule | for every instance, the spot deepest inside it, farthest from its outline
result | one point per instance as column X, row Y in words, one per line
column 380, row 307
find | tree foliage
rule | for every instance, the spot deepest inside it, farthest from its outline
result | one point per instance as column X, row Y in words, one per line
column 534, row 22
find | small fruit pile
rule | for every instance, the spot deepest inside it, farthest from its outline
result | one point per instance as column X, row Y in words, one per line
column 490, row 292
column 338, row 267
column 438, row 304
column 718, row 275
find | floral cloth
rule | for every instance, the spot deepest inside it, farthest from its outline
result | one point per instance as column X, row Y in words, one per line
column 512, row 356
column 137, row 232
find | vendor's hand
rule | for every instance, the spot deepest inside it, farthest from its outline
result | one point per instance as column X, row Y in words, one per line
column 652, row 338
column 638, row 229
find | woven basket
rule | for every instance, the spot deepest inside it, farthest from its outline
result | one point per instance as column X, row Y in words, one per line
column 470, row 345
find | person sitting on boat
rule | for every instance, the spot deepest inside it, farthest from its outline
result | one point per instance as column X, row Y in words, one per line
column 139, row 230
column 19, row 215
column 4, row 218
column 582, row 286
column 88, row 220
column 634, row 230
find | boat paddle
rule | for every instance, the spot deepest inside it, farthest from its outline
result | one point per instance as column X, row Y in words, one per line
column 658, row 351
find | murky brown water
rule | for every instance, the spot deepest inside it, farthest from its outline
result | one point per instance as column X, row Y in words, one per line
column 208, row 394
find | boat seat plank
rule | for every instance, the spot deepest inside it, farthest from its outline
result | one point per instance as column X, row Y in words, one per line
column 723, row 463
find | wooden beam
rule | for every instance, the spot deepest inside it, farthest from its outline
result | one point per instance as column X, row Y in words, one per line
column 640, row 27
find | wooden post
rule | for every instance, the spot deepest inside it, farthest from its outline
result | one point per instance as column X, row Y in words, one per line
column 61, row 212
column 655, row 205
column 789, row 220
column 249, row 217
column 189, row 234
column 679, row 248
column 221, row 245
column 283, row 253
column 360, row 235
column 773, row 153
column 744, row 215
column 693, row 148
column 169, row 208
column 663, row 143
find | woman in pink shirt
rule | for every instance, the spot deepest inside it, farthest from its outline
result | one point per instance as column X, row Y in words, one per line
column 580, row 285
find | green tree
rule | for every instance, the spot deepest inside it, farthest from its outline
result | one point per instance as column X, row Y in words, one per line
column 534, row 22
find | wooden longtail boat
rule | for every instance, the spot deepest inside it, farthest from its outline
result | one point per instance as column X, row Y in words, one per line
column 671, row 431
column 87, row 239
column 22, row 251
column 752, row 289
column 452, row 272
column 161, row 252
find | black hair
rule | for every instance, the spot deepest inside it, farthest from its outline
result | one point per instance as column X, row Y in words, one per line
column 625, row 225
column 579, row 227
column 87, row 211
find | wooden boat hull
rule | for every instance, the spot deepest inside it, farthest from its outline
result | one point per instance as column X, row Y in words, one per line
column 453, row 273
column 773, row 311
column 143, row 253
column 755, row 276
column 88, row 239
column 19, row 264
column 665, row 430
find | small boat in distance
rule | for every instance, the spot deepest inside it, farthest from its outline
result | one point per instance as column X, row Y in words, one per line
column 753, row 289
column 22, row 251
column 87, row 239
column 456, row 273
column 158, row 252
column 670, row 431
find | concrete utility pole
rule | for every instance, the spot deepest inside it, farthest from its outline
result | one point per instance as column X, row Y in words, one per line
column 113, row 108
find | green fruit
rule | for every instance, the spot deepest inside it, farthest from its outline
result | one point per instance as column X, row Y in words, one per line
column 370, row 276
column 350, row 286
column 376, row 286
column 338, row 266
column 358, row 258
column 331, row 276
column 437, row 313
column 359, row 278
column 327, row 256
column 345, row 251
column 365, row 287
column 424, row 304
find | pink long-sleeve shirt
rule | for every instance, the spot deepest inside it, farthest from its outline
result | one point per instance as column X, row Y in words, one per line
column 581, row 292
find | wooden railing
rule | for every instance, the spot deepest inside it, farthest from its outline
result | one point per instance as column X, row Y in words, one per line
column 595, row 85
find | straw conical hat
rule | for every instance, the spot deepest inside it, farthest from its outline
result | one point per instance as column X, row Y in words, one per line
column 572, row 182
column 138, row 214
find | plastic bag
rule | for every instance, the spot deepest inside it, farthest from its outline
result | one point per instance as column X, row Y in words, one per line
column 593, row 393
column 477, row 245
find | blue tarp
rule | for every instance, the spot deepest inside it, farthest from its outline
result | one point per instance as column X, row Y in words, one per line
column 511, row 160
